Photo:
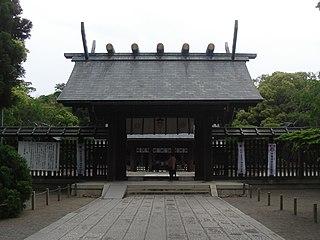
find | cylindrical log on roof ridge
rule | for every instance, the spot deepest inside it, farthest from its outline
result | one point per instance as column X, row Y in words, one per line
column 185, row 48
column 160, row 48
column 135, row 48
column 110, row 48
column 210, row 49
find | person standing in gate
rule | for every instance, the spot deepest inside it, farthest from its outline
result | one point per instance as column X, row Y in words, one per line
column 172, row 165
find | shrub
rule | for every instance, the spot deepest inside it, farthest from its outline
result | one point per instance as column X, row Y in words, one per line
column 15, row 182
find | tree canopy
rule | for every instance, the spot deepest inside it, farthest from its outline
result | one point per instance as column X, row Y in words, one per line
column 290, row 99
column 14, row 30
column 302, row 138
column 41, row 111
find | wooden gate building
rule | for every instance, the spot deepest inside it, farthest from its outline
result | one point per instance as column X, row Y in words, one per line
column 152, row 93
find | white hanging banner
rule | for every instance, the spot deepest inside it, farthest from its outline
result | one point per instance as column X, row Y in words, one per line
column 43, row 156
column 272, row 159
column 241, row 159
column 80, row 158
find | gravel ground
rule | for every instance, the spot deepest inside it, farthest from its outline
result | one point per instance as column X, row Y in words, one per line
column 31, row 221
column 285, row 223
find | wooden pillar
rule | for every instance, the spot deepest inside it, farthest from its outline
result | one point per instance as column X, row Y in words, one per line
column 117, row 148
column 203, row 148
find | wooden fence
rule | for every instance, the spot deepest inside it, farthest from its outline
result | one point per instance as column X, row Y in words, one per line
column 289, row 162
column 95, row 159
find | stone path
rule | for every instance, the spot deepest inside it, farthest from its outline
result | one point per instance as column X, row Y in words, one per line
column 157, row 217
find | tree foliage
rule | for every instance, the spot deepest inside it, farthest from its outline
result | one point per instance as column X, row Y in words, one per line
column 309, row 100
column 14, row 30
column 15, row 182
column 303, row 140
column 43, row 110
column 290, row 99
column 305, row 137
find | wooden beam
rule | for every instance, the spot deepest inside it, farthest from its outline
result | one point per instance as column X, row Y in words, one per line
column 110, row 48
column 93, row 48
column 185, row 49
column 226, row 46
column 135, row 48
column 142, row 126
column 210, row 49
column 166, row 125
column 84, row 41
column 160, row 48
column 234, row 44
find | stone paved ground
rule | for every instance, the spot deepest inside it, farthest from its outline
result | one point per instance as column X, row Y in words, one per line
column 157, row 217
column 282, row 222
column 285, row 223
column 31, row 221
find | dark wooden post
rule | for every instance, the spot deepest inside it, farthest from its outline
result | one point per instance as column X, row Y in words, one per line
column 59, row 193
column 300, row 164
column 203, row 147
column 33, row 200
column 117, row 148
column 47, row 196
column 81, row 161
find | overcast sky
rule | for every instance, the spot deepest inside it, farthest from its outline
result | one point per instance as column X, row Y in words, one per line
column 284, row 33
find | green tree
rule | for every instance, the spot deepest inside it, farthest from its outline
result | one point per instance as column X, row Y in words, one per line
column 303, row 138
column 44, row 110
column 14, row 30
column 310, row 102
column 15, row 182
column 282, row 104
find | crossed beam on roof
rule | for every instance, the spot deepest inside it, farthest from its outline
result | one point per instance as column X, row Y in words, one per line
column 160, row 47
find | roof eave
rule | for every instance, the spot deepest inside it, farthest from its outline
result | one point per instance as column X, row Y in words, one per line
column 158, row 102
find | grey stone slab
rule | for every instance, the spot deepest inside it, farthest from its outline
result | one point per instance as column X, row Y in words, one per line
column 57, row 231
column 138, row 227
column 253, row 222
column 191, row 223
column 247, row 225
column 122, row 224
column 115, row 191
column 85, row 226
column 105, row 189
column 204, row 218
column 156, row 229
column 157, row 217
column 174, row 224
column 215, row 233
column 102, row 227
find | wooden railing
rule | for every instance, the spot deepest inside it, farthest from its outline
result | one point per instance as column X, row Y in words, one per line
column 290, row 162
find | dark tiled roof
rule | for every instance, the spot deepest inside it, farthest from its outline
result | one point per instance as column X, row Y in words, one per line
column 149, row 77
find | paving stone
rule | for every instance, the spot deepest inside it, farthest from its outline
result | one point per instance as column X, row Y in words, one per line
column 157, row 223
column 157, row 217
column 138, row 227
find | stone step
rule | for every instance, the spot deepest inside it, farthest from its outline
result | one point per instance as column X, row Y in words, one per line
column 87, row 189
column 105, row 190
column 232, row 189
column 169, row 189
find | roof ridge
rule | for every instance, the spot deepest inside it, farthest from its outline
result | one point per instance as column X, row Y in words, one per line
column 164, row 56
